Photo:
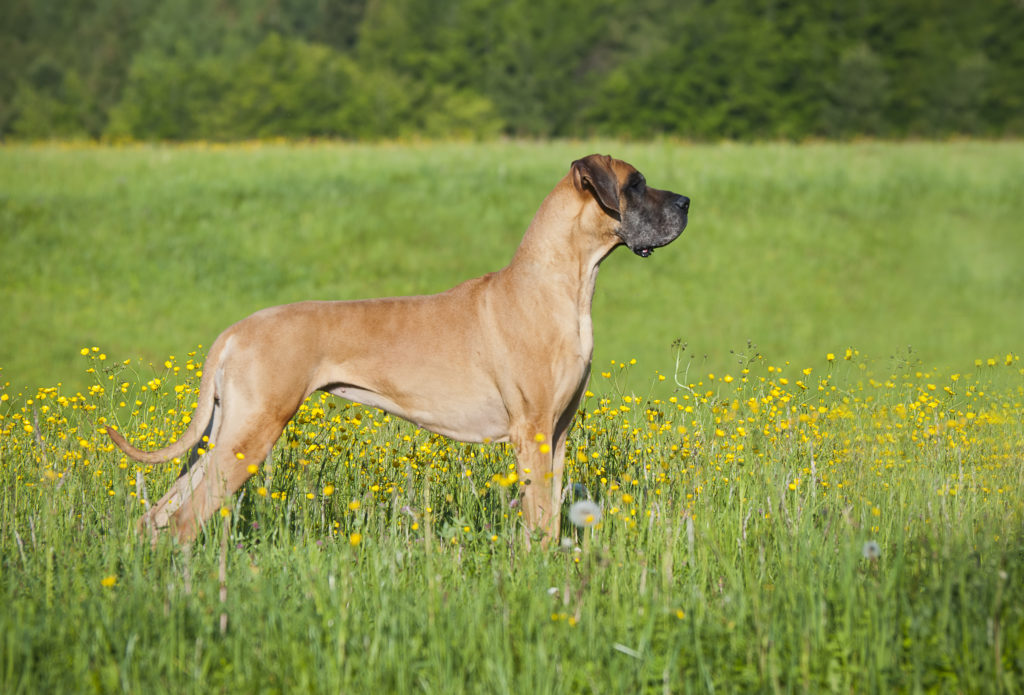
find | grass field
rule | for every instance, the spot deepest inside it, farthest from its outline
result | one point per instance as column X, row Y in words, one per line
column 152, row 251
column 823, row 511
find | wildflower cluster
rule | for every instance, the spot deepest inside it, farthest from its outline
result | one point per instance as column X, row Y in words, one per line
column 764, row 437
column 834, row 431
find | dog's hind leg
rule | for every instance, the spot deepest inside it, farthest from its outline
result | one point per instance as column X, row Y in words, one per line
column 197, row 495
column 159, row 515
column 243, row 436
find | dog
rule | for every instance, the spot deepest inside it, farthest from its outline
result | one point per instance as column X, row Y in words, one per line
column 501, row 358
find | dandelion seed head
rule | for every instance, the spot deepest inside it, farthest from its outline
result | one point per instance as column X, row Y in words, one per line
column 871, row 550
column 584, row 513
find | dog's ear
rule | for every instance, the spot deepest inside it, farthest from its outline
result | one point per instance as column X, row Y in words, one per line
column 594, row 172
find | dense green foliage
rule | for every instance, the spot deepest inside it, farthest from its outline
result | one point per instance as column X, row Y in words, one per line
column 701, row 69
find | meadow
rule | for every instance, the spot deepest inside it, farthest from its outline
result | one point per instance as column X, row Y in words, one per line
column 150, row 251
column 790, row 499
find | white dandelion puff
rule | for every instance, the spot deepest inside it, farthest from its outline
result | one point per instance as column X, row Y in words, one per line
column 871, row 551
column 584, row 513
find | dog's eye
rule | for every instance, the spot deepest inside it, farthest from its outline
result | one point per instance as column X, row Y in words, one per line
column 638, row 183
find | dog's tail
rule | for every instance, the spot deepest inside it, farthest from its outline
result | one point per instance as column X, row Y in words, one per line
column 200, row 417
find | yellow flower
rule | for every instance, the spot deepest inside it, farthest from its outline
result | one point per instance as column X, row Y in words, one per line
column 239, row 455
column 353, row 505
column 328, row 490
column 252, row 468
column 261, row 491
column 224, row 511
column 539, row 437
column 109, row 580
column 355, row 539
column 505, row 480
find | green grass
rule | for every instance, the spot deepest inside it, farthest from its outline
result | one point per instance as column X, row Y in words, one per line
column 736, row 505
column 801, row 249
column 730, row 556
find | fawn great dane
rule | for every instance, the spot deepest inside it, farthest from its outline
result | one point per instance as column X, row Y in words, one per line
column 500, row 358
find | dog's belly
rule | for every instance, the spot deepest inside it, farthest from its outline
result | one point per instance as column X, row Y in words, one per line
column 467, row 419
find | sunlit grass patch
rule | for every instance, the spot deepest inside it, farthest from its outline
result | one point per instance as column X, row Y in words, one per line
column 799, row 247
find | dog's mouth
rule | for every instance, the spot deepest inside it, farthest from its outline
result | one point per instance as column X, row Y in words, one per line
column 644, row 251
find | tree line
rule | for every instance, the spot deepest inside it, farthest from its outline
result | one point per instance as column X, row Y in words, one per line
column 368, row 69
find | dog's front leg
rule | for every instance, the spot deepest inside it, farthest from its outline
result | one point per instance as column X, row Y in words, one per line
column 540, row 462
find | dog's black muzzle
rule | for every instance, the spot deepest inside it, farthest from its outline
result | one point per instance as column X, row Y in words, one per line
column 650, row 234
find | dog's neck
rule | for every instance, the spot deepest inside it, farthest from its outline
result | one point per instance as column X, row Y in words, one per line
column 560, row 270
column 574, row 255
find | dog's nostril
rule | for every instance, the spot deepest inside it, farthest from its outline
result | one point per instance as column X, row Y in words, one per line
column 683, row 203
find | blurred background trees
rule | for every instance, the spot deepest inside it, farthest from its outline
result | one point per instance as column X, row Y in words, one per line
column 366, row 69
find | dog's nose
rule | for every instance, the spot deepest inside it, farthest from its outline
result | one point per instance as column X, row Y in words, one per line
column 683, row 203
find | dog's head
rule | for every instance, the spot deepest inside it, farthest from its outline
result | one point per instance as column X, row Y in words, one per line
column 647, row 217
